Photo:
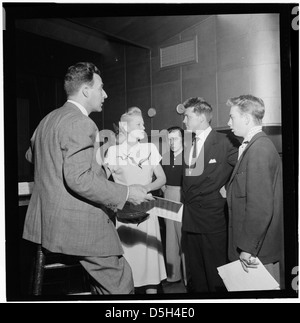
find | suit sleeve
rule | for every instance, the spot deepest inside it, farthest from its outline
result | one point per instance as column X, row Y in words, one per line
column 259, row 200
column 77, row 144
column 232, row 154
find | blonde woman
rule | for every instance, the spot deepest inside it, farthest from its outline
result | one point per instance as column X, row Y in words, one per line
column 133, row 162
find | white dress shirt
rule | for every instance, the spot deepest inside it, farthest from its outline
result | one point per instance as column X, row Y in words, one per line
column 253, row 131
column 202, row 137
column 80, row 107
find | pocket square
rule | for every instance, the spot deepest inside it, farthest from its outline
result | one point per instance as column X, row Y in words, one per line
column 212, row 161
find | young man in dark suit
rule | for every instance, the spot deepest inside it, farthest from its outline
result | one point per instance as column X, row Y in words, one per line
column 255, row 196
column 209, row 162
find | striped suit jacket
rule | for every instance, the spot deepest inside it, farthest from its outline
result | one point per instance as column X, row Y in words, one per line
column 67, row 212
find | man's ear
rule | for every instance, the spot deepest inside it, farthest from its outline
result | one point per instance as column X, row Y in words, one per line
column 85, row 90
column 202, row 117
column 247, row 118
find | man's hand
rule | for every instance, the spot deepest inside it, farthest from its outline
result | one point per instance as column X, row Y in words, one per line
column 138, row 194
column 248, row 261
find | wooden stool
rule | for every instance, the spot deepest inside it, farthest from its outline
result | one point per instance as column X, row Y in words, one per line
column 46, row 260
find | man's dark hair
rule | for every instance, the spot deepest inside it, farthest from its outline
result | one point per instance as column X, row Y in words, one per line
column 78, row 74
column 176, row 128
column 251, row 104
column 200, row 107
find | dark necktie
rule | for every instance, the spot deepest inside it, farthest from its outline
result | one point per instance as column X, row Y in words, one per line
column 195, row 153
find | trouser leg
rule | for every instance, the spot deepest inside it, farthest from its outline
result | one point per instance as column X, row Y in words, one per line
column 173, row 252
column 274, row 270
column 204, row 253
column 196, row 277
column 112, row 275
column 214, row 249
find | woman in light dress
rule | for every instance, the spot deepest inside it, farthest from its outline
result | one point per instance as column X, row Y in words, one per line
column 133, row 162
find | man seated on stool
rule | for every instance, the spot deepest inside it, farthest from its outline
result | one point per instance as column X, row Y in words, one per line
column 67, row 212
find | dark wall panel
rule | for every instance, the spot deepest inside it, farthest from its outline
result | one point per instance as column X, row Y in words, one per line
column 40, row 66
column 165, row 99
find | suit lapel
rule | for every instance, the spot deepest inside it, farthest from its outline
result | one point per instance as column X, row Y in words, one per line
column 236, row 168
column 209, row 146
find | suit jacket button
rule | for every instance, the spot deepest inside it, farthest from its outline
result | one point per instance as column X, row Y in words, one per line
column 108, row 220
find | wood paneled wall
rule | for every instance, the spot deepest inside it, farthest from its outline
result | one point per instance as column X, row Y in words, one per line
column 237, row 54
column 126, row 77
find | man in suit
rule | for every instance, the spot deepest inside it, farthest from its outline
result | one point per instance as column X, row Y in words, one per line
column 67, row 212
column 255, row 196
column 209, row 162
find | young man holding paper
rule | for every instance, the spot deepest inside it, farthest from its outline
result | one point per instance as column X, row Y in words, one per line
column 254, row 192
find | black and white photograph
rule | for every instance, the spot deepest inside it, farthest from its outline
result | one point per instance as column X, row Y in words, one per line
column 150, row 153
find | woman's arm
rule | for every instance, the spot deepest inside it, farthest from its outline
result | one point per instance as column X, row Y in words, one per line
column 160, row 179
column 107, row 170
column 110, row 161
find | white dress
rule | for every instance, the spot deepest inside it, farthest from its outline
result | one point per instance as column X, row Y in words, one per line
column 141, row 243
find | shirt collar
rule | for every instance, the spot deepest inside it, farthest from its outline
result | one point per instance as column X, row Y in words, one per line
column 127, row 149
column 178, row 152
column 80, row 107
column 204, row 134
column 253, row 131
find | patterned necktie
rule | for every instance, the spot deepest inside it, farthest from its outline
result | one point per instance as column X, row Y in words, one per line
column 242, row 148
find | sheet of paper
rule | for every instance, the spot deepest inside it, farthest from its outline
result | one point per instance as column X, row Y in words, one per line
column 163, row 208
column 236, row 279
column 25, row 188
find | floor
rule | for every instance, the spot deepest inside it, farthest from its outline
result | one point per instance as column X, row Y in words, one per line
column 65, row 281
column 173, row 288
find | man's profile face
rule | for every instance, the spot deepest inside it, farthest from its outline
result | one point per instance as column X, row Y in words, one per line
column 237, row 121
column 191, row 120
column 97, row 94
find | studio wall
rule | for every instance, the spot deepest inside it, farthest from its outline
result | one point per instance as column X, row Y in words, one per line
column 237, row 54
column 40, row 66
column 126, row 77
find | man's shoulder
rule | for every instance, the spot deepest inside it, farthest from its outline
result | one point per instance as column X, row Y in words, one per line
column 225, row 137
column 65, row 110
column 262, row 143
column 68, row 114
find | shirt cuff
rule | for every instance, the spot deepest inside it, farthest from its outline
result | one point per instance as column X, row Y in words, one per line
column 127, row 193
